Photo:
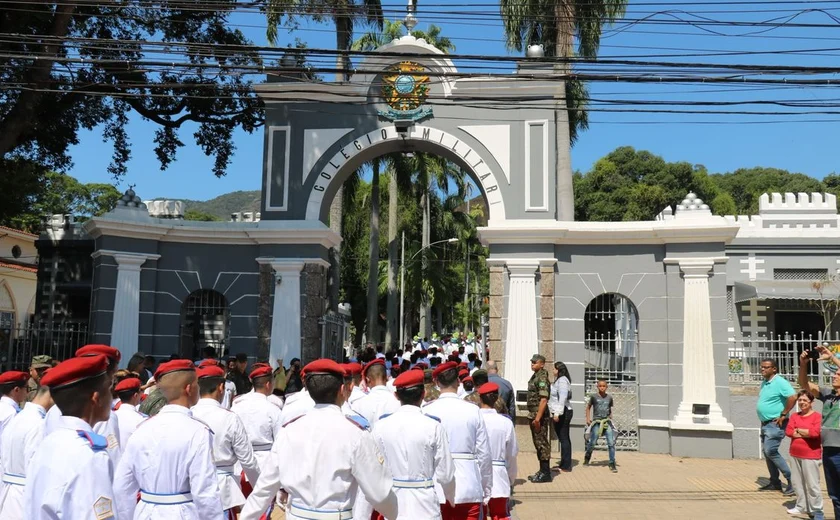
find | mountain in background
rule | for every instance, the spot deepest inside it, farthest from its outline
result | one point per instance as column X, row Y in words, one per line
column 222, row 206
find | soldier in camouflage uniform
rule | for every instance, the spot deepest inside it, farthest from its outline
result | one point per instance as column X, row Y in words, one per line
column 36, row 369
column 538, row 391
column 480, row 377
column 432, row 391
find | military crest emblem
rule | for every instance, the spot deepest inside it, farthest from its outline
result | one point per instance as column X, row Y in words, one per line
column 405, row 89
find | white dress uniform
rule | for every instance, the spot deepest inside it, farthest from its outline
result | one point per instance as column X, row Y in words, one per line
column 416, row 452
column 8, row 410
column 262, row 423
column 469, row 447
column 321, row 460
column 297, row 405
column 230, row 393
column 128, row 418
column 230, row 445
column 169, row 460
column 20, row 440
column 378, row 402
column 109, row 429
column 276, row 400
column 69, row 478
column 355, row 394
column 503, row 450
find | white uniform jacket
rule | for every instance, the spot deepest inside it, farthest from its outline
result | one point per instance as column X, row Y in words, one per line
column 416, row 452
column 503, row 450
column 230, row 393
column 128, row 419
column 169, row 460
column 262, row 423
column 296, row 406
column 8, row 410
column 378, row 402
column 276, row 400
column 356, row 394
column 230, row 445
column 69, row 478
column 321, row 460
column 468, row 445
column 18, row 443
column 109, row 429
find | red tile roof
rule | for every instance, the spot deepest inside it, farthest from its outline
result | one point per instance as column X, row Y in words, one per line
column 4, row 228
column 19, row 267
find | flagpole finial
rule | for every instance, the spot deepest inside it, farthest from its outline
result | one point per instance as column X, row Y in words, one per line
column 410, row 21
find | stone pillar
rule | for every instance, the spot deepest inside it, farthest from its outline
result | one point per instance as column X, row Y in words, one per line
column 125, row 326
column 497, row 307
column 286, row 311
column 266, row 282
column 547, row 311
column 521, row 340
column 698, row 364
column 315, row 299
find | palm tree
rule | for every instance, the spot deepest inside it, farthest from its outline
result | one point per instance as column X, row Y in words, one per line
column 555, row 24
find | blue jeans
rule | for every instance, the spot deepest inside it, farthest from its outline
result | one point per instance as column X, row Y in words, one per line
column 831, row 466
column 771, row 437
column 609, row 433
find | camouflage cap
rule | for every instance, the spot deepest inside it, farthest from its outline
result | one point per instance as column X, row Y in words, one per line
column 42, row 361
column 537, row 357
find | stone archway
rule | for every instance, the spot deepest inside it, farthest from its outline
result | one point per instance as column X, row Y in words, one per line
column 366, row 147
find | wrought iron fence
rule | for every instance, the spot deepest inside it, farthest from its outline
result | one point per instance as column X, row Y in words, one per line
column 18, row 345
column 746, row 353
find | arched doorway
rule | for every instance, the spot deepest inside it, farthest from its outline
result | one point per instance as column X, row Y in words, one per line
column 7, row 318
column 205, row 322
column 611, row 340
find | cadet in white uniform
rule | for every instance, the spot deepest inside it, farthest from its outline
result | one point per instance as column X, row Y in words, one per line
column 323, row 458
column 109, row 428
column 13, row 391
column 230, row 442
column 296, row 405
column 416, row 451
column 69, row 478
column 354, row 371
column 169, row 459
column 21, row 438
column 467, row 443
column 128, row 417
column 260, row 417
column 379, row 399
column 503, row 449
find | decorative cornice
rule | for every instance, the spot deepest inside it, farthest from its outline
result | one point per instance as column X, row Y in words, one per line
column 290, row 264
column 125, row 256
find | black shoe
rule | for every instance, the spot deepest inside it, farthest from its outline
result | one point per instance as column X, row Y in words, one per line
column 788, row 490
column 586, row 459
column 540, row 477
column 613, row 468
column 772, row 486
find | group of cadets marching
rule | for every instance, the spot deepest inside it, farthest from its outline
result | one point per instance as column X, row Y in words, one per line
column 357, row 441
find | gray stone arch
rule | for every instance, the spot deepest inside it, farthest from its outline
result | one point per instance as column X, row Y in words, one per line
column 330, row 173
column 611, row 337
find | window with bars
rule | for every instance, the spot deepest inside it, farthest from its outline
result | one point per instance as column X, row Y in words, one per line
column 611, row 338
column 800, row 274
column 204, row 323
column 730, row 297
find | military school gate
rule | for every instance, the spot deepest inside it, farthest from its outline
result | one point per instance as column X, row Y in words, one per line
column 629, row 301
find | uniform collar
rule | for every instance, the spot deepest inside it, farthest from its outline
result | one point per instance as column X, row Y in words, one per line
column 379, row 388
column 36, row 408
column 176, row 408
column 488, row 410
column 11, row 402
column 409, row 408
column 448, row 395
column 74, row 423
column 206, row 401
column 326, row 408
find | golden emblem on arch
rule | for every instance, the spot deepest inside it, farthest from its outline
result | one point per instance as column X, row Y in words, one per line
column 405, row 89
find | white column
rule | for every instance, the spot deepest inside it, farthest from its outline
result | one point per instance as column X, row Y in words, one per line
column 698, row 364
column 521, row 341
column 125, row 324
column 285, row 315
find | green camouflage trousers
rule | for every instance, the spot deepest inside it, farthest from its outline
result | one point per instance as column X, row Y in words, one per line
column 540, row 437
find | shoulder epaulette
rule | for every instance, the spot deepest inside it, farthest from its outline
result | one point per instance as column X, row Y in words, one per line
column 384, row 416
column 293, row 420
column 194, row 418
column 358, row 421
column 96, row 441
column 432, row 417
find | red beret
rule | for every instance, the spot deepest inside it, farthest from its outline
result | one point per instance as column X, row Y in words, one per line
column 424, row 366
column 378, row 361
column 463, row 372
column 324, row 366
column 260, row 365
column 209, row 363
column 129, row 383
column 463, row 364
column 13, row 376
column 105, row 350
column 443, row 367
column 143, row 397
column 467, row 379
column 260, row 372
column 409, row 378
column 210, row 371
column 176, row 365
column 75, row 370
column 353, row 369
column 488, row 388
column 418, row 366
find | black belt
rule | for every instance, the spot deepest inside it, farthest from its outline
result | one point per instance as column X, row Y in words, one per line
column 765, row 423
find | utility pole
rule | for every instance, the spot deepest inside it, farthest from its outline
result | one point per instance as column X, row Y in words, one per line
column 467, row 270
column 402, row 292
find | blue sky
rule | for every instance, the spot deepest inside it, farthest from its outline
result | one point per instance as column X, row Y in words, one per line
column 720, row 142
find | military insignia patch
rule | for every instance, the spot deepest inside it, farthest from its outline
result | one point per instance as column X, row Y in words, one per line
column 381, row 458
column 102, row 509
column 112, row 441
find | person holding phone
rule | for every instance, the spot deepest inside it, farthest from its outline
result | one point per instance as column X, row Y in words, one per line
column 805, row 454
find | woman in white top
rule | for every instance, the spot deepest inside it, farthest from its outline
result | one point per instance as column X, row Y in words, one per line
column 560, row 407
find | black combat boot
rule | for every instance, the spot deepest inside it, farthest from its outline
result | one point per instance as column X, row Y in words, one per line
column 544, row 474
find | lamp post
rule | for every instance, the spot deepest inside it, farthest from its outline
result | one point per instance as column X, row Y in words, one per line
column 402, row 279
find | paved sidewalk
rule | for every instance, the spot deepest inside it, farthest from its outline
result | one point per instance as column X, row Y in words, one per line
column 650, row 487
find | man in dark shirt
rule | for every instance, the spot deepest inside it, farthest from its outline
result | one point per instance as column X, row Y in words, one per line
column 236, row 373
column 293, row 381
column 505, row 388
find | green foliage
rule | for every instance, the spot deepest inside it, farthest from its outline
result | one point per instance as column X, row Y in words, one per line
column 746, row 185
column 222, row 206
column 200, row 216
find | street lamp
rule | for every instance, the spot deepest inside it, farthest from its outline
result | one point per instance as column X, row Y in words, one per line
column 402, row 279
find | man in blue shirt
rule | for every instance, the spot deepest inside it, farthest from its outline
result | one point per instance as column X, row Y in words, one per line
column 775, row 400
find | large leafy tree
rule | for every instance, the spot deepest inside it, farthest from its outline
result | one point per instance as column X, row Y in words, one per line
column 556, row 24
column 74, row 65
